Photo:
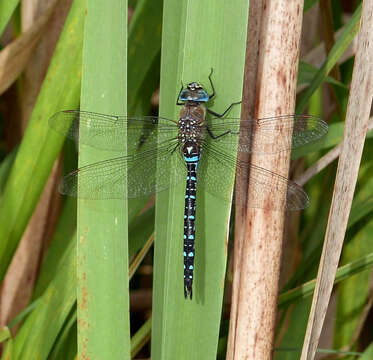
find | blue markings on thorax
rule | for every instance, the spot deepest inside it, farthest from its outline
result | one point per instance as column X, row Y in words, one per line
column 191, row 156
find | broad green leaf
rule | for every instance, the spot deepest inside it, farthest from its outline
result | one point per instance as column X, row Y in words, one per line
column 197, row 36
column 102, row 252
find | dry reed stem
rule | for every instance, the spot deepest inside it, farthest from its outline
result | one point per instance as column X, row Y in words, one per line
column 22, row 272
column 356, row 126
column 259, row 259
column 248, row 111
column 37, row 66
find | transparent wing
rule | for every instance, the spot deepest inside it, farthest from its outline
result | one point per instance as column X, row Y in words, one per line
column 295, row 130
column 108, row 132
column 146, row 174
column 217, row 169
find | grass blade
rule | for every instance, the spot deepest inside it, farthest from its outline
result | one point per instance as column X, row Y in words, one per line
column 343, row 272
column 336, row 52
column 141, row 337
column 103, row 331
column 196, row 37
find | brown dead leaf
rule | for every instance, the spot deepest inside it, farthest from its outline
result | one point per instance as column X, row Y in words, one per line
column 15, row 56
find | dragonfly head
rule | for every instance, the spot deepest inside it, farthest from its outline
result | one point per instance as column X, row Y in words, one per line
column 194, row 92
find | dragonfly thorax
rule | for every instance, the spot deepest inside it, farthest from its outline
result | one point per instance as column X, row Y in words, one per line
column 190, row 130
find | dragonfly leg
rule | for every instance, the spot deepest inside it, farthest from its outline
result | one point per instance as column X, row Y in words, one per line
column 226, row 110
column 178, row 97
column 212, row 85
column 173, row 150
column 217, row 136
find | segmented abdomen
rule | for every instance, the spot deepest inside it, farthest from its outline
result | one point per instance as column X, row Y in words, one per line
column 191, row 159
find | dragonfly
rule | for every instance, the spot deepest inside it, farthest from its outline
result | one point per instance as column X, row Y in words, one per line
column 195, row 149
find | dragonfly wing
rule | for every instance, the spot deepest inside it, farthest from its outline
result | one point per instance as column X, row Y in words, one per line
column 273, row 191
column 307, row 129
column 109, row 132
column 129, row 176
column 216, row 174
column 259, row 135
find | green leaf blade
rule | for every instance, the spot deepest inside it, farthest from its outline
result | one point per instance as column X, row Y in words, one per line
column 103, row 331
column 196, row 38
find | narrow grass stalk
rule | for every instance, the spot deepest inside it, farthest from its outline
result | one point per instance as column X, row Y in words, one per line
column 141, row 337
column 103, row 296
column 336, row 52
column 343, row 272
column 259, row 261
column 357, row 118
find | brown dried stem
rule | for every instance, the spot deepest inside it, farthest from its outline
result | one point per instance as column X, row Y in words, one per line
column 258, row 258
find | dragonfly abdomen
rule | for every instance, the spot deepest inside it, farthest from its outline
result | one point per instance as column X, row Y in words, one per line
column 191, row 156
